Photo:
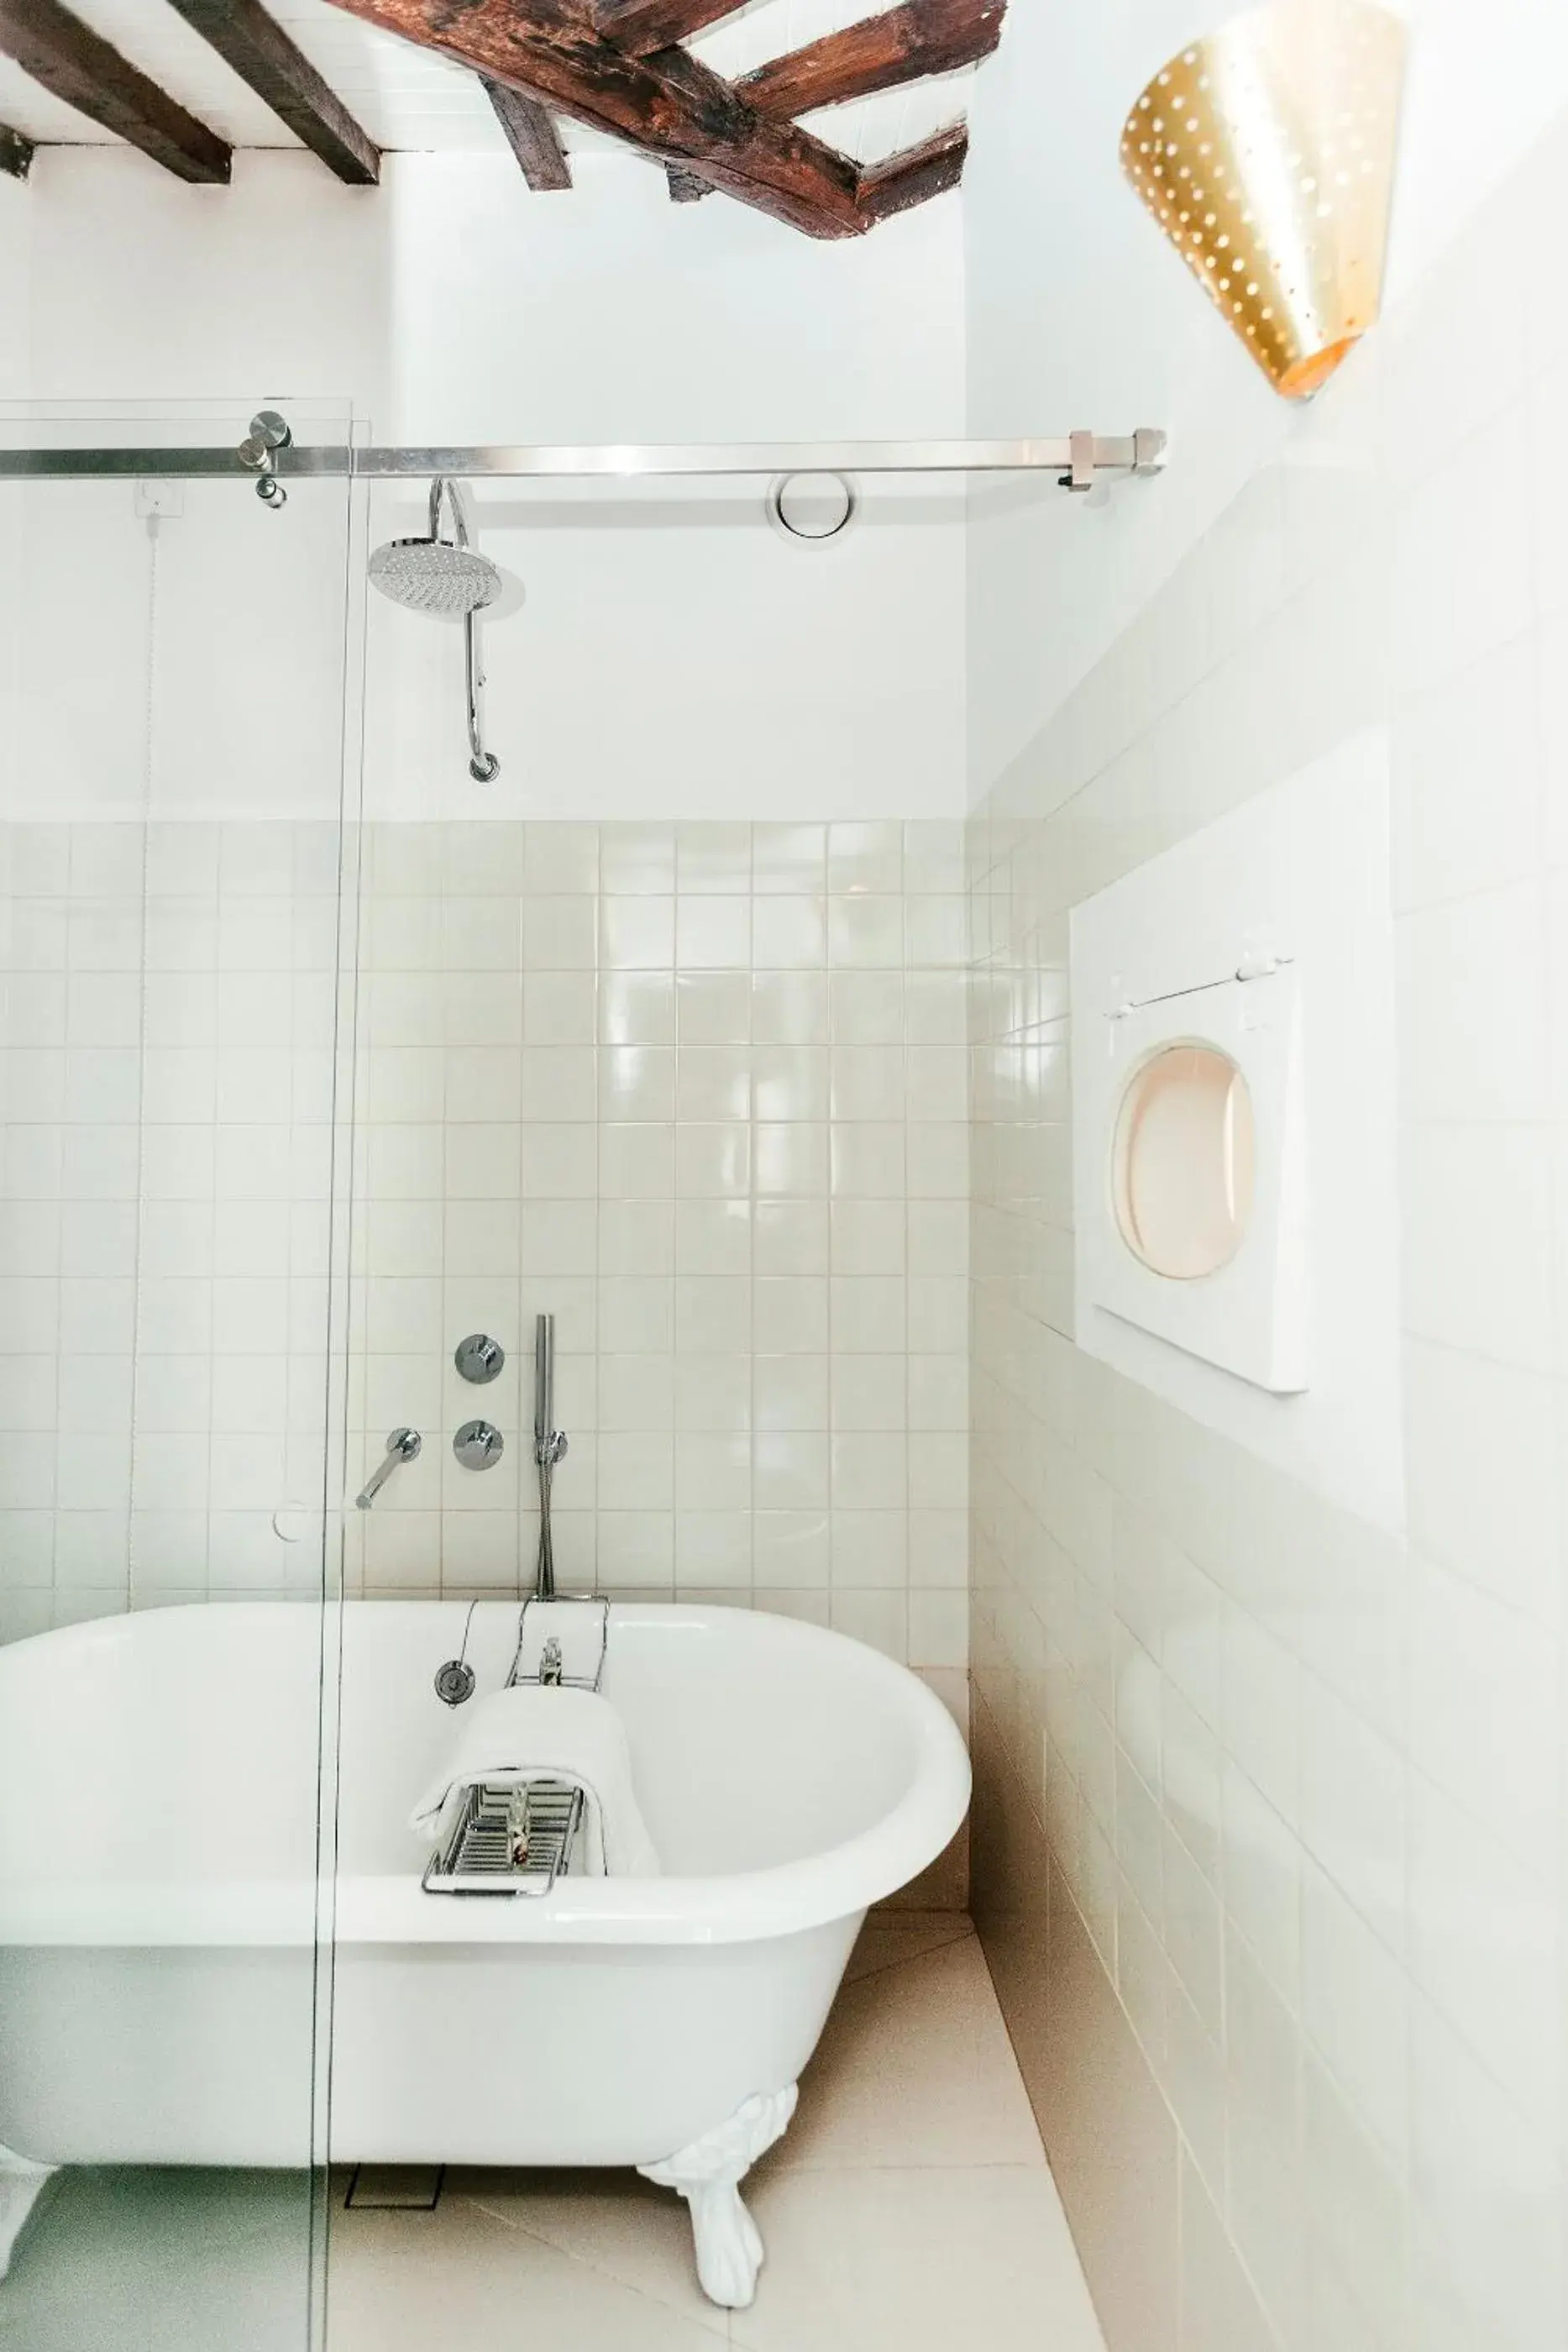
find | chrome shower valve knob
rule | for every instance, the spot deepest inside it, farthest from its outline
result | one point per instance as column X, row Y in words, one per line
column 478, row 1445
column 479, row 1359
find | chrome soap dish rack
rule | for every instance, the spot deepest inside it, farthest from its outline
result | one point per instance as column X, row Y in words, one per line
column 509, row 1841
column 512, row 1840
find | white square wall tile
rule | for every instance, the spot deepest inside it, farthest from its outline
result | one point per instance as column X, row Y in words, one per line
column 790, row 934
column 1493, row 1295
column 712, row 1471
column 635, row 858
column 1464, row 1641
column 1453, row 832
column 560, row 856
column 789, row 858
column 1471, row 976
column 864, row 857
column 713, row 859
column 866, row 932
column 871, row 1471
column 881, row 1618
column 713, row 933
column 1484, row 1470
column 637, row 934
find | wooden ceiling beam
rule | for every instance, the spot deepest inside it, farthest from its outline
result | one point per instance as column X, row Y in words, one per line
column 639, row 27
column 531, row 135
column 76, row 65
column 907, row 44
column 916, row 175
column 668, row 104
column 258, row 49
column 16, row 152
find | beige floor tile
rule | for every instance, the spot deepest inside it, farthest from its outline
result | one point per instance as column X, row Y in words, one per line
column 914, row 2068
column 614, row 2221
column 459, row 2281
column 919, row 2260
column 909, row 2210
column 887, row 1939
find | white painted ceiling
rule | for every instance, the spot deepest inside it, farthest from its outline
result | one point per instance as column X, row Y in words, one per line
column 409, row 97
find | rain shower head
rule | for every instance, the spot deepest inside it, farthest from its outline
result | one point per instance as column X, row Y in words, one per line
column 431, row 576
column 448, row 578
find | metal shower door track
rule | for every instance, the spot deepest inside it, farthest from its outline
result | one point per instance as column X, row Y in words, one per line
column 1078, row 459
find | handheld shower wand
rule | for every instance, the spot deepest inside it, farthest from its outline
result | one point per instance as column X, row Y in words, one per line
column 550, row 1448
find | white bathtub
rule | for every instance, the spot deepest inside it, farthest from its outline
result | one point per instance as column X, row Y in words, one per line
column 161, row 1901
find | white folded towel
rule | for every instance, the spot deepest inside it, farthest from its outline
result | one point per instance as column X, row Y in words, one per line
column 540, row 1733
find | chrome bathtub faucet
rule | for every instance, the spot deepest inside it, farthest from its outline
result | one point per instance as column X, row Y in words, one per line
column 403, row 1445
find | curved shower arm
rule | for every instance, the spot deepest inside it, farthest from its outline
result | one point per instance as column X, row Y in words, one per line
column 483, row 765
column 456, row 500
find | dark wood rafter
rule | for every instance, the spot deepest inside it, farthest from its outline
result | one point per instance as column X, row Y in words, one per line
column 76, row 65
column 907, row 44
column 532, row 137
column 258, row 49
column 618, row 66
column 16, row 152
column 668, row 104
column 916, row 175
column 639, row 27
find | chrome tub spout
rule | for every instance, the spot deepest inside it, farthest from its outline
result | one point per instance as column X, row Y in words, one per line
column 403, row 1445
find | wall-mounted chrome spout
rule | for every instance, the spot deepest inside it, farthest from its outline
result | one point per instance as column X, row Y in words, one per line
column 549, row 1447
column 403, row 1445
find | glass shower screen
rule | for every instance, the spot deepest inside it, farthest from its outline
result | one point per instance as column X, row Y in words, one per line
column 173, row 836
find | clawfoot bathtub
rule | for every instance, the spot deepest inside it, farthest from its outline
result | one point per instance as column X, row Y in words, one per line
column 172, row 1797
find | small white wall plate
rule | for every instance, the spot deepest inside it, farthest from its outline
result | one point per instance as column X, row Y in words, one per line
column 1291, row 1348
column 1250, row 1317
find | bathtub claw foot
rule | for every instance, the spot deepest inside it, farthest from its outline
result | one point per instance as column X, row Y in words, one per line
column 708, row 2175
column 22, row 2182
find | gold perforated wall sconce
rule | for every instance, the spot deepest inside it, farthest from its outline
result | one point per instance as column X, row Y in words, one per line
column 1266, row 155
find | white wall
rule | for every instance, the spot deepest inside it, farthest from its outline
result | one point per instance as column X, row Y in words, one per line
column 452, row 304
column 662, row 651
column 1271, row 1798
column 15, row 255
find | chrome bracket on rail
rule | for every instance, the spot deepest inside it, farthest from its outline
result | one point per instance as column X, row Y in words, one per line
column 508, row 1840
column 550, row 1671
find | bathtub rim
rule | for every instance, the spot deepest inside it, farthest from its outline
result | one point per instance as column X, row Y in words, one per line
column 391, row 1910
